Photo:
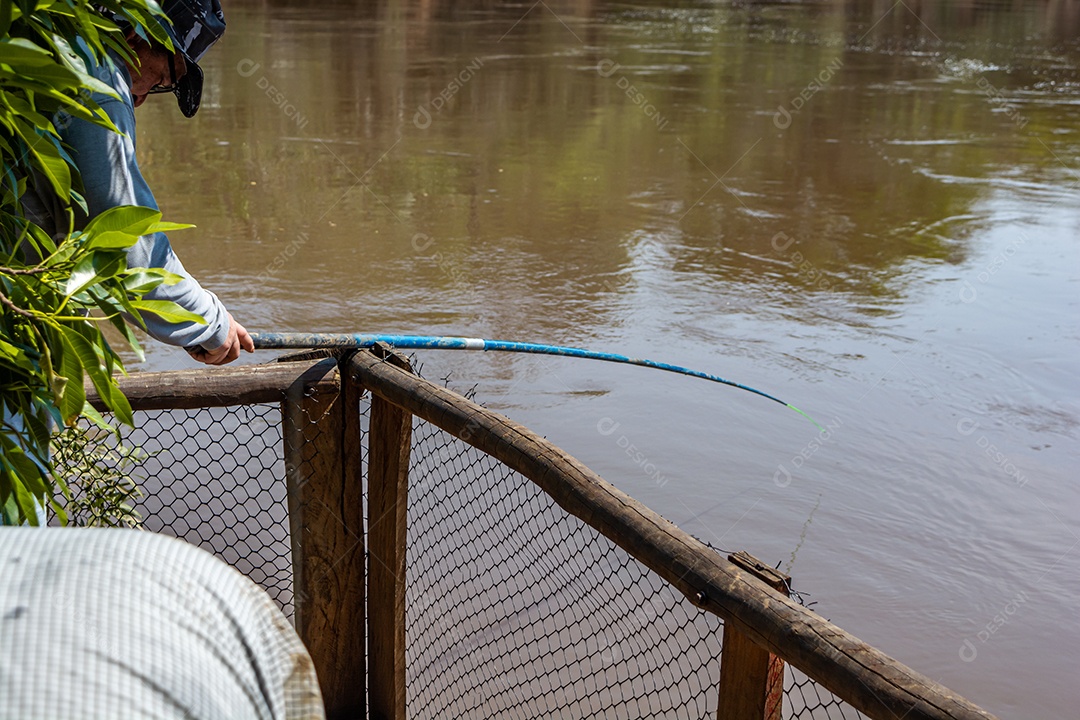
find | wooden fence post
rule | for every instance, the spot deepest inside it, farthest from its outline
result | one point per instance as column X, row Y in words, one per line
column 751, row 678
column 321, row 429
column 389, row 443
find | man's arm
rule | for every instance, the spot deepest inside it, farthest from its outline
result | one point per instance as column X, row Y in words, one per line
column 111, row 177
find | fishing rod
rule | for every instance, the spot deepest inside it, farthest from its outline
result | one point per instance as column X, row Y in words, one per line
column 303, row 341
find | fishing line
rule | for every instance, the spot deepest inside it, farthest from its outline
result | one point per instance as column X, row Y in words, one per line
column 303, row 341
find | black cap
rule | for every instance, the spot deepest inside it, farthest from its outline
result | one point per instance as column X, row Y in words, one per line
column 196, row 25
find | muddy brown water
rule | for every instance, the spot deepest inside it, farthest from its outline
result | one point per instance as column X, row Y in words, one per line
column 867, row 209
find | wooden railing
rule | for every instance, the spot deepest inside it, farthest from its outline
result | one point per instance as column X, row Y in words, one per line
column 336, row 610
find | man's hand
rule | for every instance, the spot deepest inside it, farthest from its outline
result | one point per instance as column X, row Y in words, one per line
column 238, row 338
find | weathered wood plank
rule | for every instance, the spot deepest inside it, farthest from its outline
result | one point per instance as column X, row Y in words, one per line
column 208, row 387
column 751, row 678
column 390, row 439
column 321, row 429
column 875, row 684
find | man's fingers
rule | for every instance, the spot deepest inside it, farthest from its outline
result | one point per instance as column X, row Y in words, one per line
column 238, row 339
column 244, row 337
column 225, row 354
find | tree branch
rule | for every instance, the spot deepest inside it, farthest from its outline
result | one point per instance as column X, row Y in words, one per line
column 23, row 271
column 25, row 313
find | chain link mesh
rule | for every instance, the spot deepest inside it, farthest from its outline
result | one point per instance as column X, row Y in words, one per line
column 514, row 608
column 215, row 477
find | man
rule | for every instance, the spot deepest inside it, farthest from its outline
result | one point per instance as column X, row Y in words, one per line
column 111, row 176
column 101, row 623
column 109, row 623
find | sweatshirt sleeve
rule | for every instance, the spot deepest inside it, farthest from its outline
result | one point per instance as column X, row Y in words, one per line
column 111, row 177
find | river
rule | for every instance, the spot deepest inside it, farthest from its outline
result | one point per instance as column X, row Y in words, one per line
column 868, row 209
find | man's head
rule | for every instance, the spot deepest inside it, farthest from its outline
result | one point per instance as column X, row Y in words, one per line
column 159, row 70
column 194, row 26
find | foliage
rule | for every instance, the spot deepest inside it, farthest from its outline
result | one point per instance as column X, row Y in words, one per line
column 101, row 467
column 49, row 342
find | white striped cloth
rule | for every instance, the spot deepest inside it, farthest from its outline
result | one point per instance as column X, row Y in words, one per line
column 109, row 623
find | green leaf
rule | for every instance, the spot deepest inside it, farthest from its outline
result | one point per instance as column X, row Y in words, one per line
column 10, row 512
column 168, row 311
column 28, row 477
column 74, row 397
column 30, row 472
column 38, row 425
column 49, row 161
column 112, row 310
column 5, row 17
column 16, row 356
column 54, row 75
column 99, row 421
column 115, row 399
column 26, row 111
column 93, row 362
column 112, row 239
column 128, row 219
column 21, row 52
column 141, row 280
column 170, row 227
column 24, row 501
column 93, row 269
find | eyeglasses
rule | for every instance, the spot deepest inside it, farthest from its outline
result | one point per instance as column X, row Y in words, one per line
column 171, row 87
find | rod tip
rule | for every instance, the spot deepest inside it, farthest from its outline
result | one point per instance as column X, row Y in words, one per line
column 818, row 425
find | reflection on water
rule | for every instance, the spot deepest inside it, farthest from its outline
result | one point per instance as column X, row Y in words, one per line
column 869, row 208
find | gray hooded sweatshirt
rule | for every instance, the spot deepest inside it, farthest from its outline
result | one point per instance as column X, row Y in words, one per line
column 111, row 177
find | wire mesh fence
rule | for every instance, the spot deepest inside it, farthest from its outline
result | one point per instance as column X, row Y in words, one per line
column 215, row 478
column 517, row 609
column 514, row 608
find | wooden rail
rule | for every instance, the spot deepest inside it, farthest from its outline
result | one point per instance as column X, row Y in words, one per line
column 219, row 387
column 334, row 610
column 321, row 440
column 321, row 432
column 389, row 445
column 872, row 682
column 751, row 678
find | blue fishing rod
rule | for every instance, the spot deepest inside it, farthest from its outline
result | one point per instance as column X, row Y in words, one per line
column 303, row 341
